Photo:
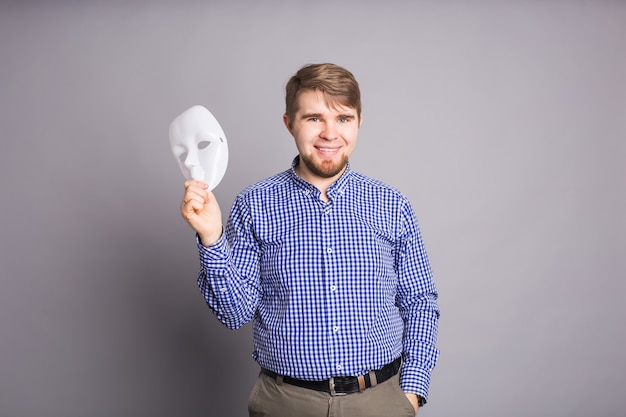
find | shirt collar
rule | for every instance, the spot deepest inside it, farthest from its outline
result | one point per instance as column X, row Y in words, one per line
column 337, row 188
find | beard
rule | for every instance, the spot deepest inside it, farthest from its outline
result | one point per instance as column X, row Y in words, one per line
column 325, row 168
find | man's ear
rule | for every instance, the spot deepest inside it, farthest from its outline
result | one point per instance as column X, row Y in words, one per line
column 360, row 120
column 287, row 122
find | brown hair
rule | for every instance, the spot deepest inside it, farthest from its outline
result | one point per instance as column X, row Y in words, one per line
column 336, row 83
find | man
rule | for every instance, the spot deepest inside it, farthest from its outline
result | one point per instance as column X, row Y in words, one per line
column 328, row 264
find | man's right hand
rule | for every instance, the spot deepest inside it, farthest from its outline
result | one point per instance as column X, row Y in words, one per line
column 200, row 209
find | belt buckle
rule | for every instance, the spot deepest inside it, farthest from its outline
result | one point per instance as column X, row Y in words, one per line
column 331, row 385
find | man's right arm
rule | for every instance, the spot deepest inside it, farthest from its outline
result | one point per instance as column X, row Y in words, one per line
column 228, row 277
column 232, row 293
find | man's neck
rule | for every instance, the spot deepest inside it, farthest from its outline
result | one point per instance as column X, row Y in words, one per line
column 321, row 183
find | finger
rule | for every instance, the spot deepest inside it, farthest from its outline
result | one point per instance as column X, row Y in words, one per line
column 195, row 183
column 191, row 208
column 196, row 192
column 200, row 198
column 193, row 197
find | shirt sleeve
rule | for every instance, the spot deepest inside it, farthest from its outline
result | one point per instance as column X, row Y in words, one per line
column 229, row 276
column 417, row 303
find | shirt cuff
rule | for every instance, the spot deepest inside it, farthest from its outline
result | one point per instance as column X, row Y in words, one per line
column 214, row 256
column 414, row 380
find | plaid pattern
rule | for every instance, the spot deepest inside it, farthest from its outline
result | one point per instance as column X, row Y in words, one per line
column 333, row 288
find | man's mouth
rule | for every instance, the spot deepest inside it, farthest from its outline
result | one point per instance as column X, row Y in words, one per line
column 326, row 150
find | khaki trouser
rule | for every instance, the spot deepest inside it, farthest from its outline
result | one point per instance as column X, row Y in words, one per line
column 270, row 399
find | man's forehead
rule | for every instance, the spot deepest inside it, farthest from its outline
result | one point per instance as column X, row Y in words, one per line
column 315, row 101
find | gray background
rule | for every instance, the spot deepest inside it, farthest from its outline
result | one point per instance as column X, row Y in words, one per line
column 503, row 122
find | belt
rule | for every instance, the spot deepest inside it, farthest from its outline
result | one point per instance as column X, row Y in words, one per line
column 342, row 385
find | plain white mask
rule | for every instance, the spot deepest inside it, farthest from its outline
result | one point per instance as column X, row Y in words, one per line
column 199, row 146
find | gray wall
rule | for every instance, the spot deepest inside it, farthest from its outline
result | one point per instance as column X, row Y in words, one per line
column 502, row 121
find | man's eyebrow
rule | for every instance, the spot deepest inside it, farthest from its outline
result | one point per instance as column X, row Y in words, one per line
column 309, row 115
column 319, row 115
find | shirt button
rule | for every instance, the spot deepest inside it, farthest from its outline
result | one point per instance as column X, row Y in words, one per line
column 329, row 250
column 333, row 288
column 339, row 367
column 336, row 329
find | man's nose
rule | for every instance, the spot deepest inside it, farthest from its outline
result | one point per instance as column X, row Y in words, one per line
column 330, row 131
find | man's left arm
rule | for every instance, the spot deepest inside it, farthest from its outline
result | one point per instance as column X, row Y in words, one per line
column 417, row 303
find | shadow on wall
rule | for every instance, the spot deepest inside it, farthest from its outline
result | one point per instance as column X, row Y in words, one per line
column 117, row 326
column 174, row 356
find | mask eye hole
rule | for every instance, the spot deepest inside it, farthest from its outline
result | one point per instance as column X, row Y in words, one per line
column 203, row 144
column 182, row 157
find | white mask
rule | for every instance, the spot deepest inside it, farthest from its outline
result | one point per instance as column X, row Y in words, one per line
column 199, row 146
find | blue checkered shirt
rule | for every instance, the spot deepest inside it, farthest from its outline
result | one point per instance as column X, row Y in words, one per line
column 333, row 288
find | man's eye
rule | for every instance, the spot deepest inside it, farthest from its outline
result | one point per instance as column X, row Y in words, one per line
column 314, row 119
column 343, row 120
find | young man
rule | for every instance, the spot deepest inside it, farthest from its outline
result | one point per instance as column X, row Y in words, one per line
column 328, row 264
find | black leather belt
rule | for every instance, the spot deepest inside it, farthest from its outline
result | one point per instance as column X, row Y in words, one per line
column 341, row 385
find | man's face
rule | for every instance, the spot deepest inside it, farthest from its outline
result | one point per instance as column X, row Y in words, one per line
column 325, row 136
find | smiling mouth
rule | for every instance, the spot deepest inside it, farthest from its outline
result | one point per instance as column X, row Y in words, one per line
column 327, row 150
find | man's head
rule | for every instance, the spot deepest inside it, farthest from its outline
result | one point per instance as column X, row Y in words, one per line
column 323, row 115
column 337, row 85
